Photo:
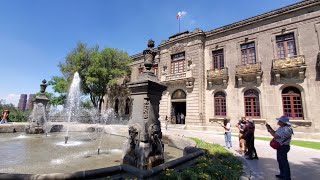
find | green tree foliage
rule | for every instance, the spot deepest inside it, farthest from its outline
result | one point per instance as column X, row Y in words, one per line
column 98, row 71
column 16, row 115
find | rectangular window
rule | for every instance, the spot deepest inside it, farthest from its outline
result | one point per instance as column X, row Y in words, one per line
column 286, row 46
column 178, row 63
column 248, row 53
column 220, row 106
column 218, row 59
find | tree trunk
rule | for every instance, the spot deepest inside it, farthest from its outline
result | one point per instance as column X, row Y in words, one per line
column 100, row 104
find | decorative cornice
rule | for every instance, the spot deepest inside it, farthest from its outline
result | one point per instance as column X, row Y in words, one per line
column 265, row 16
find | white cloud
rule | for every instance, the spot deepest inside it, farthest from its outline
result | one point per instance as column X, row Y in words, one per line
column 12, row 98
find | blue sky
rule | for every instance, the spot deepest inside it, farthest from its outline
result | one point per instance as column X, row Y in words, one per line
column 36, row 35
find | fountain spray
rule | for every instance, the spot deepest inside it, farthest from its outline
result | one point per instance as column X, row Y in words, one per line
column 73, row 101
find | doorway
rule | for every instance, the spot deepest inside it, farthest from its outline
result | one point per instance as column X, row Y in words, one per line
column 179, row 112
column 178, row 107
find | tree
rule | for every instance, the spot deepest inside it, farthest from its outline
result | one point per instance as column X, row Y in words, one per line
column 98, row 71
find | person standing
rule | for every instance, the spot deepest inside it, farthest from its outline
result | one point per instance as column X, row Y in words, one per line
column 182, row 118
column 283, row 136
column 249, row 137
column 227, row 132
column 5, row 116
column 242, row 142
column 178, row 118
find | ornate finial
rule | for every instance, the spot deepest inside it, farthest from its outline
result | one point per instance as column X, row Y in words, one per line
column 151, row 43
column 149, row 55
column 43, row 86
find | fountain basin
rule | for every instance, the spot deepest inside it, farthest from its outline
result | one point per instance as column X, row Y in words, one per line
column 35, row 156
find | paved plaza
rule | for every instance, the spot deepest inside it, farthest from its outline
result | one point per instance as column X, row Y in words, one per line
column 304, row 162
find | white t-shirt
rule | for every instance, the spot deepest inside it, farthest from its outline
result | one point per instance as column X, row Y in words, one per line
column 228, row 126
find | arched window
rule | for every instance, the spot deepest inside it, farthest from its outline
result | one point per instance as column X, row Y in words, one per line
column 220, row 108
column 292, row 103
column 251, row 103
column 116, row 106
column 179, row 94
column 127, row 110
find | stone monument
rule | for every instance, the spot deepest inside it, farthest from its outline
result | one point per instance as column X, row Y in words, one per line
column 145, row 148
column 38, row 117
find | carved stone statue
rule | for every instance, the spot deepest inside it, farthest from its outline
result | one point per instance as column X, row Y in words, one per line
column 145, row 148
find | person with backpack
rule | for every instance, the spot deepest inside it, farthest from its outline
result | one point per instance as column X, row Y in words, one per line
column 282, row 137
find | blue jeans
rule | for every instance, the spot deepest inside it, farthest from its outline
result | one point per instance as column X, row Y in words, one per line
column 227, row 138
column 282, row 158
column 3, row 121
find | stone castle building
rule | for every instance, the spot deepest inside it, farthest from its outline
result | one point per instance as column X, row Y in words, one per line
column 22, row 102
column 261, row 67
column 30, row 101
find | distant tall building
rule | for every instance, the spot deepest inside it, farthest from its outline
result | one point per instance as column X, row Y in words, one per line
column 22, row 102
column 30, row 102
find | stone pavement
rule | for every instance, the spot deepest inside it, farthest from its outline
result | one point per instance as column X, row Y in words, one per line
column 304, row 162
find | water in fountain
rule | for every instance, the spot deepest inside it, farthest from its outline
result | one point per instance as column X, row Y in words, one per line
column 106, row 118
column 73, row 101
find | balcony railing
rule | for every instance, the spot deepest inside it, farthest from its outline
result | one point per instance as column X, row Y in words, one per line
column 184, row 76
column 249, row 73
column 248, row 68
column 217, row 76
column 289, row 68
column 176, row 76
column 290, row 62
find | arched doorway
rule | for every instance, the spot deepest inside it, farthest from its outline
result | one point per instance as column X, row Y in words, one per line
column 178, row 106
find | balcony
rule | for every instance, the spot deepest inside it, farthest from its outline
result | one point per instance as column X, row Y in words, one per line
column 289, row 68
column 217, row 77
column 184, row 76
column 248, row 73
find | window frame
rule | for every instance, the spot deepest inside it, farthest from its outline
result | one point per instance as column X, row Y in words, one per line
column 282, row 31
column 253, row 100
column 247, row 50
column 219, row 54
column 285, row 42
column 220, row 104
column 292, row 95
column 178, row 64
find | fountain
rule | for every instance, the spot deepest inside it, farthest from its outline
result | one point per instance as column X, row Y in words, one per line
column 145, row 147
column 73, row 102
column 38, row 119
column 144, row 156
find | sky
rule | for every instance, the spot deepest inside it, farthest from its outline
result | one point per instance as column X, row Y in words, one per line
column 36, row 35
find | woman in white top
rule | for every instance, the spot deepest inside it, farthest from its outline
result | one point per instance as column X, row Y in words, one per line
column 227, row 132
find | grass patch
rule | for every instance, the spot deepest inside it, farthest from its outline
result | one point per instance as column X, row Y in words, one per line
column 218, row 164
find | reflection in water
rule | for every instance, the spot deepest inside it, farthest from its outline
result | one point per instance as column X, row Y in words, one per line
column 38, row 154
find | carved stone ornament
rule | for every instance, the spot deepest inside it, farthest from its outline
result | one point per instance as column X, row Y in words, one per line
column 146, row 108
column 249, row 73
column 177, row 48
column 289, row 68
column 289, row 62
column 215, row 73
column 248, row 68
column 217, row 76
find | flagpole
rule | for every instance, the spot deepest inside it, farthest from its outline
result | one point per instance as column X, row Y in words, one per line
column 179, row 24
